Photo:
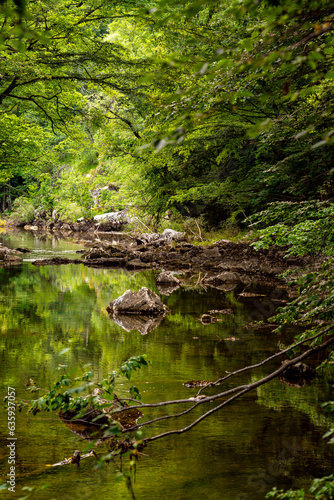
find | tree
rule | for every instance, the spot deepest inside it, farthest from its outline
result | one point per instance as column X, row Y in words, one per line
column 55, row 60
column 251, row 118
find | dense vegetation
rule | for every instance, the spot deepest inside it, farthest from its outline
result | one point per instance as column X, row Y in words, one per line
column 207, row 109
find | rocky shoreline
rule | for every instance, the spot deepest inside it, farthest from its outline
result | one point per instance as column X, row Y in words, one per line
column 222, row 262
column 224, row 265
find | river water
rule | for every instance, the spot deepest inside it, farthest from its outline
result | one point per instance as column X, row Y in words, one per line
column 269, row 437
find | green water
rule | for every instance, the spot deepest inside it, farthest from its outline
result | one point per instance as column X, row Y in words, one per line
column 270, row 437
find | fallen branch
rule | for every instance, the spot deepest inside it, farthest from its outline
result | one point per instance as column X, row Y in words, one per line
column 265, row 361
column 75, row 459
column 242, row 390
column 222, row 394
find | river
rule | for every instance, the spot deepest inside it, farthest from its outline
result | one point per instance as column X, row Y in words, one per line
column 269, row 437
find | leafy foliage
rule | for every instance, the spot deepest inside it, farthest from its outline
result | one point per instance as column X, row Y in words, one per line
column 183, row 118
column 307, row 227
column 315, row 301
column 66, row 393
column 321, row 489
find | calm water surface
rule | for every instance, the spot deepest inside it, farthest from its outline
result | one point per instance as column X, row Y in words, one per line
column 270, row 437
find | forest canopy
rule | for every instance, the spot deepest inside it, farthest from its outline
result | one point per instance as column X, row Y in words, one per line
column 206, row 109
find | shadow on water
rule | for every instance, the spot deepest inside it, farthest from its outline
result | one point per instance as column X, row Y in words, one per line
column 271, row 437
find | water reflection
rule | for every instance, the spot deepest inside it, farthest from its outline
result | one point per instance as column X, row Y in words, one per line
column 143, row 324
column 46, row 309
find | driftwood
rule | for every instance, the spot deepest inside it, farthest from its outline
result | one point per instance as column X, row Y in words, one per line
column 75, row 459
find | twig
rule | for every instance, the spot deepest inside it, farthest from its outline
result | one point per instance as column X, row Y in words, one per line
column 199, row 230
column 136, row 218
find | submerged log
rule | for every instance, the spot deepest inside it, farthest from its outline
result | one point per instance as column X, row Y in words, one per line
column 92, row 423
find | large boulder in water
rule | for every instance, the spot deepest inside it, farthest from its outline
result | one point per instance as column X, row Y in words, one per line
column 144, row 302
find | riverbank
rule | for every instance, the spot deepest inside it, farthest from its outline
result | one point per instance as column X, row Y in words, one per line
column 222, row 264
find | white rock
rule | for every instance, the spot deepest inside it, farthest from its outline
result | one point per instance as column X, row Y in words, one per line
column 170, row 234
column 113, row 217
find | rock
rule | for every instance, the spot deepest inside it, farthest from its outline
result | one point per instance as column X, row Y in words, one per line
column 84, row 225
column 167, row 278
column 297, row 375
column 111, row 221
column 23, row 250
column 225, row 277
column 144, row 302
column 55, row 261
column 103, row 252
column 211, row 254
column 146, row 238
column 167, row 283
column 160, row 239
column 96, row 253
column 106, row 262
column 9, row 256
column 120, row 216
column 144, row 324
column 13, row 258
column 137, row 264
column 66, row 227
column 170, row 234
column 106, row 227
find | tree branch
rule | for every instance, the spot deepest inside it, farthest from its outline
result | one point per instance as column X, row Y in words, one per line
column 128, row 123
column 242, row 390
column 8, row 90
column 265, row 361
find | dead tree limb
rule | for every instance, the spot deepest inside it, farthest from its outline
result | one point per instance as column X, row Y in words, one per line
column 242, row 390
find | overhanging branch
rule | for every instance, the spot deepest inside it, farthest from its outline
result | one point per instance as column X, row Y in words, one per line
column 243, row 390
